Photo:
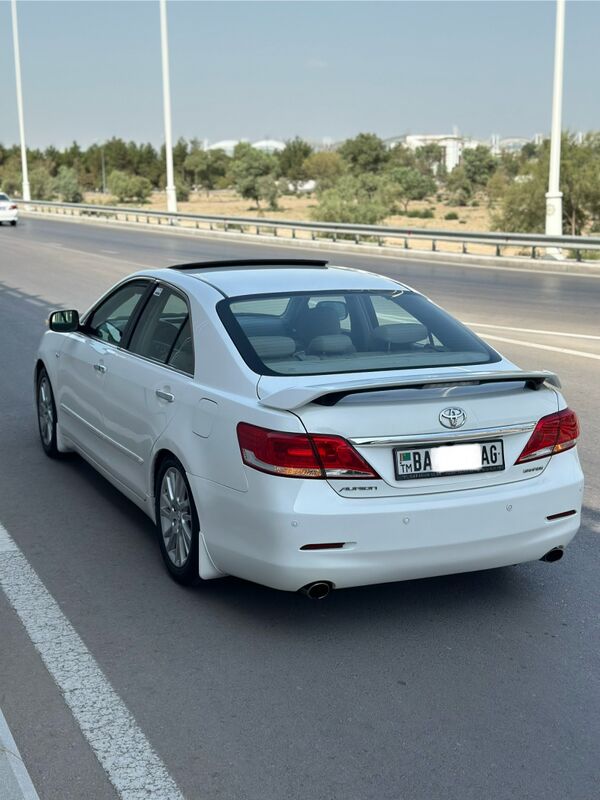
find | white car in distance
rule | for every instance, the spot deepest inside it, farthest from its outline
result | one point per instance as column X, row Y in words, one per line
column 8, row 210
column 310, row 427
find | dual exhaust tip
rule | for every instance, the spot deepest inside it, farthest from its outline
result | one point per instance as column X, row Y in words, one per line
column 320, row 589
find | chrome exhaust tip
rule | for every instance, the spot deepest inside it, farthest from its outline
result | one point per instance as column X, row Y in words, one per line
column 553, row 555
column 317, row 590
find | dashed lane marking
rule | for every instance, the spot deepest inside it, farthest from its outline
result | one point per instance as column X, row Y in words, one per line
column 536, row 346
column 533, row 330
column 133, row 767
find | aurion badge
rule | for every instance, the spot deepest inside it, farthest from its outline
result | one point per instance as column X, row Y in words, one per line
column 453, row 417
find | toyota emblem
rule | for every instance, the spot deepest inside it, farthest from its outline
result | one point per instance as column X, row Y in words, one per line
column 453, row 417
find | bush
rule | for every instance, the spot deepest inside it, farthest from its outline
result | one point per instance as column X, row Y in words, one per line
column 451, row 215
column 354, row 201
column 128, row 187
column 425, row 213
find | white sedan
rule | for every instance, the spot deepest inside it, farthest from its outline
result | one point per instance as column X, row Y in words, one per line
column 8, row 210
column 310, row 427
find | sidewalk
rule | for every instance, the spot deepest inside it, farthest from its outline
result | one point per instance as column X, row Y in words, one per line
column 14, row 778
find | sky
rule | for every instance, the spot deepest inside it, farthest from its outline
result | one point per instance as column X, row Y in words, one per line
column 92, row 70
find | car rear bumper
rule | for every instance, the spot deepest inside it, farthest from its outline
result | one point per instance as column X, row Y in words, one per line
column 258, row 534
column 9, row 215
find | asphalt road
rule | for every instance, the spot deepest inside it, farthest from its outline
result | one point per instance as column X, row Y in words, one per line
column 483, row 685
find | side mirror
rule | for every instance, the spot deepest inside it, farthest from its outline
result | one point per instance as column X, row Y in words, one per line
column 64, row 321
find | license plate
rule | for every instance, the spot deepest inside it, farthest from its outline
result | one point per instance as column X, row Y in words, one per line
column 445, row 460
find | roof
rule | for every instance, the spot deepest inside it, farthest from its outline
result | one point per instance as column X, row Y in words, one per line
column 239, row 279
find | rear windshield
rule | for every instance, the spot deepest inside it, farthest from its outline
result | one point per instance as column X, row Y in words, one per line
column 3, row 196
column 357, row 331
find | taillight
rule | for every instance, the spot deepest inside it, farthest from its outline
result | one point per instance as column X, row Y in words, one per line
column 13, row 208
column 300, row 455
column 553, row 434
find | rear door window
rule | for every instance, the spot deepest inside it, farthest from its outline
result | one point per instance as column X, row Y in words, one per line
column 164, row 332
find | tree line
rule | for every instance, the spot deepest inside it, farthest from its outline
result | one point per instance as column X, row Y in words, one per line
column 362, row 181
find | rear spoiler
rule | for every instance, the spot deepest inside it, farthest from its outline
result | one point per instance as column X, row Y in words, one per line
column 329, row 394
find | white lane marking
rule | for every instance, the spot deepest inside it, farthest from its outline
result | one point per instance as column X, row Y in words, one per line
column 532, row 330
column 110, row 252
column 543, row 347
column 133, row 767
column 10, row 753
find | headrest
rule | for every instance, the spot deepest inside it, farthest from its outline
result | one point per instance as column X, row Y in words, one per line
column 273, row 346
column 400, row 333
column 332, row 345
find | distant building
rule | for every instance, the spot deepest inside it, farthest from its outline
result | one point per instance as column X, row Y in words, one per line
column 451, row 143
column 269, row 146
column 228, row 145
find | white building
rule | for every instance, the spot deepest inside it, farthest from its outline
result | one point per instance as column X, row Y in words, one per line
column 269, row 146
column 452, row 144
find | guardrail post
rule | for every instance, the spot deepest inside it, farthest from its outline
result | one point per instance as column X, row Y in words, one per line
column 464, row 248
column 433, row 246
column 274, row 229
column 498, row 251
column 533, row 251
column 380, row 241
column 293, row 233
column 406, row 245
column 225, row 227
column 313, row 236
column 578, row 255
column 257, row 230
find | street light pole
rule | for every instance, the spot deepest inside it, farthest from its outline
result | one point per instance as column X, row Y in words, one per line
column 15, row 32
column 164, row 42
column 103, row 170
column 554, row 195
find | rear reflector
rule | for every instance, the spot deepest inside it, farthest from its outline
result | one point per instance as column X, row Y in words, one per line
column 553, row 434
column 300, row 455
column 325, row 546
column 561, row 515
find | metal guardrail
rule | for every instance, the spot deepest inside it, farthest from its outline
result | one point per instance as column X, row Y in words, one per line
column 379, row 234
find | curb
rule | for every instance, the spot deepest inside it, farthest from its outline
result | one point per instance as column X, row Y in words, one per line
column 14, row 778
column 509, row 263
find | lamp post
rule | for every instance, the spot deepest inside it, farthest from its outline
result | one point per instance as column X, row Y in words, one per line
column 164, row 46
column 554, row 195
column 15, row 32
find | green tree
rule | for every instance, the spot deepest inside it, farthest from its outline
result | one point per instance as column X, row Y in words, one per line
column 206, row 168
column 325, row 168
column 459, row 186
column 354, row 199
column 523, row 206
column 365, row 153
column 292, row 161
column 41, row 183
column 430, row 159
column 404, row 184
column 479, row 165
column 66, row 185
column 247, row 167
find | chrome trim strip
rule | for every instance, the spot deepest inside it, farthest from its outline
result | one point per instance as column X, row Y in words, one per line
column 473, row 435
column 101, row 435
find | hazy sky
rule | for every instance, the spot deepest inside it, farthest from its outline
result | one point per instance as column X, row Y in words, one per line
column 315, row 69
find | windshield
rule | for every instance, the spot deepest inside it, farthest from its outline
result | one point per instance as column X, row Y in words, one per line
column 3, row 197
column 356, row 331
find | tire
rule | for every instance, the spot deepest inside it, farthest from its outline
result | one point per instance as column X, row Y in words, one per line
column 177, row 525
column 13, row 222
column 46, row 414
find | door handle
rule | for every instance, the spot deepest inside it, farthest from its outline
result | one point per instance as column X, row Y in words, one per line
column 100, row 368
column 165, row 395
